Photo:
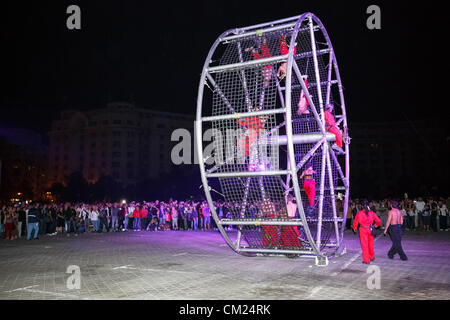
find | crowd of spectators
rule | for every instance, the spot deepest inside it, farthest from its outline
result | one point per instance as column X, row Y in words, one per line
column 429, row 214
column 51, row 219
column 37, row 219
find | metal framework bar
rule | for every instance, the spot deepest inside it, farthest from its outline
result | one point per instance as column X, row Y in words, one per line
column 325, row 145
column 265, row 24
column 300, row 138
column 199, row 146
column 343, row 109
column 330, row 65
column 292, row 168
column 333, row 197
column 310, row 154
column 265, row 30
column 242, row 115
column 281, row 251
column 311, row 102
column 247, row 174
column 338, row 166
column 313, row 84
column 221, row 94
column 257, row 222
column 244, row 80
column 271, row 60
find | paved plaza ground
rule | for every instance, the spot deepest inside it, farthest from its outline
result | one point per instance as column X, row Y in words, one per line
column 199, row 265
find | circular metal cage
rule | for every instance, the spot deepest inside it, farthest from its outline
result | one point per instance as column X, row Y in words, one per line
column 271, row 101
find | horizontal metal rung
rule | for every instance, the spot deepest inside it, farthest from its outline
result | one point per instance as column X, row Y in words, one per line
column 267, row 30
column 244, row 114
column 264, row 61
column 279, row 251
column 257, row 222
column 297, row 139
column 324, row 220
column 312, row 84
column 248, row 174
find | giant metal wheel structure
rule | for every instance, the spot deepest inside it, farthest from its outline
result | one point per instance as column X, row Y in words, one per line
column 253, row 84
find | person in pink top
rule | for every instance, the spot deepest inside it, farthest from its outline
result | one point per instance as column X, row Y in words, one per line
column 365, row 219
column 333, row 128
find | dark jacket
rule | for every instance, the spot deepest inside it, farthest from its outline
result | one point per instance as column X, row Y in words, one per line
column 34, row 214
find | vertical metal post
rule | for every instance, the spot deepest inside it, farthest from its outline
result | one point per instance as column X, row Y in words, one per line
column 290, row 144
column 325, row 145
column 244, row 80
column 330, row 64
column 347, row 147
column 198, row 131
column 333, row 196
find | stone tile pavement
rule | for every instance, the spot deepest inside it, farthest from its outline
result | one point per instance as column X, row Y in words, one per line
column 199, row 265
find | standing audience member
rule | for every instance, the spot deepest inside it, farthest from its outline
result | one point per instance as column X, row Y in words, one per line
column 443, row 214
column 394, row 227
column 34, row 215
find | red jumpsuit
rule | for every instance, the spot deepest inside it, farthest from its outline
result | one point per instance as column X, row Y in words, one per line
column 269, row 232
column 365, row 221
column 331, row 126
column 254, row 126
column 265, row 53
column 284, row 49
column 266, row 73
column 310, row 188
column 290, row 234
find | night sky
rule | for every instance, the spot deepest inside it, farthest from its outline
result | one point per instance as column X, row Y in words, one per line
column 153, row 54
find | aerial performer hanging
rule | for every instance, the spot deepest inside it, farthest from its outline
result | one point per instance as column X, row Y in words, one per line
column 266, row 72
column 310, row 187
column 302, row 102
column 333, row 128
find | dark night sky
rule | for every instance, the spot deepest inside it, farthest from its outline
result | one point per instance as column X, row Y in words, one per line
column 155, row 53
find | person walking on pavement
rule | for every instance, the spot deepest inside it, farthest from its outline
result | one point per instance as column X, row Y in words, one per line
column 394, row 227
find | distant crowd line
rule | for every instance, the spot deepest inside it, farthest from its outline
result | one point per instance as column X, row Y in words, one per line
column 37, row 219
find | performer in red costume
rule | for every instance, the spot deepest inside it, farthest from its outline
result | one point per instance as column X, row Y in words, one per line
column 332, row 127
column 365, row 219
column 289, row 234
column 265, row 53
column 269, row 232
column 310, row 187
column 254, row 127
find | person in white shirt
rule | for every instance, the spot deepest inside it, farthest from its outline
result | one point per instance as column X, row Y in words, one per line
column 94, row 218
column 443, row 213
column 420, row 206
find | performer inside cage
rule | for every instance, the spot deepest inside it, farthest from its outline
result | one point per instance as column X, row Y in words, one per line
column 248, row 142
column 302, row 102
column 289, row 236
column 266, row 72
column 310, row 187
column 283, row 51
column 333, row 128
column 270, row 237
column 365, row 218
